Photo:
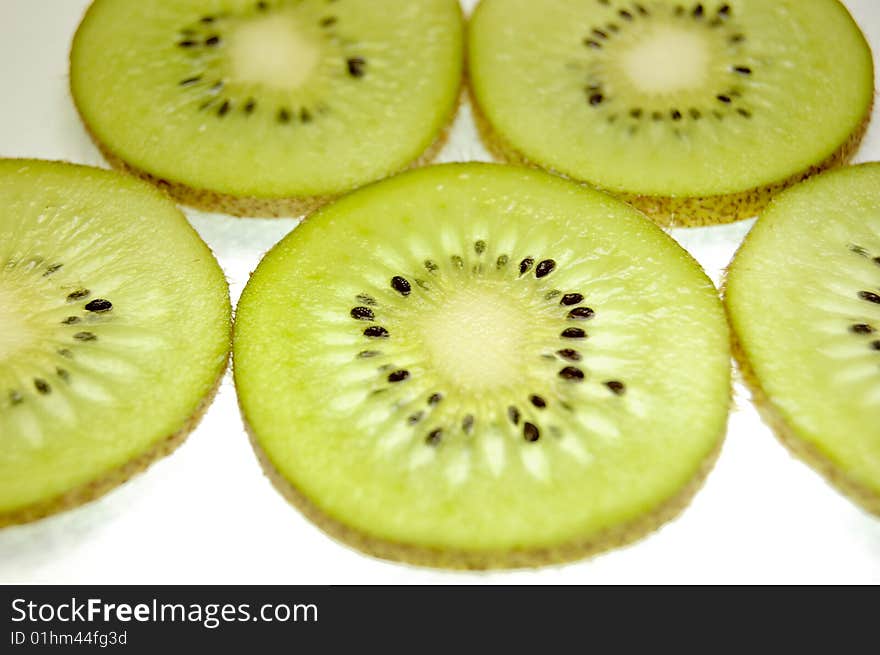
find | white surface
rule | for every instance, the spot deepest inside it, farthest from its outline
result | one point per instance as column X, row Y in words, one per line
column 207, row 514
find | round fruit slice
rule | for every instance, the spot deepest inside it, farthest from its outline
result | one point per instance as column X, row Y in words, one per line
column 267, row 107
column 803, row 295
column 694, row 112
column 114, row 332
column 483, row 366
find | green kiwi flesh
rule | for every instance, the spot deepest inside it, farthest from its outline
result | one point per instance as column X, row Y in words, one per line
column 269, row 107
column 475, row 366
column 803, row 295
column 694, row 112
column 114, row 331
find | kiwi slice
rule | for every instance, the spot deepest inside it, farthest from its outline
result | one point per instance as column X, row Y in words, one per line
column 803, row 295
column 695, row 112
column 267, row 107
column 114, row 332
column 476, row 365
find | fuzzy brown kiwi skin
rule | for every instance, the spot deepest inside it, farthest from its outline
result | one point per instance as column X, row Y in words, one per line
column 668, row 211
column 104, row 484
column 861, row 495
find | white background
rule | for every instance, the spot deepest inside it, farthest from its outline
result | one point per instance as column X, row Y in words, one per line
column 208, row 515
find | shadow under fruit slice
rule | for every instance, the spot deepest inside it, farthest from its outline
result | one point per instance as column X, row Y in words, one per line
column 267, row 108
column 695, row 112
column 483, row 366
column 114, row 332
column 803, row 295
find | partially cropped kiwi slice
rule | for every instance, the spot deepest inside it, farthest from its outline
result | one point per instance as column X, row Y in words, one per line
column 696, row 112
column 114, row 331
column 267, row 107
column 483, row 366
column 803, row 295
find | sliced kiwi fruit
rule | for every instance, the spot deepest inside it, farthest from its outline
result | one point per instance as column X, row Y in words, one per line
column 475, row 365
column 267, row 107
column 695, row 112
column 114, row 332
column 803, row 295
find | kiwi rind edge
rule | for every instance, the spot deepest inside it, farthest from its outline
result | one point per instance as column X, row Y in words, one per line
column 810, row 454
column 682, row 211
column 252, row 206
column 102, row 485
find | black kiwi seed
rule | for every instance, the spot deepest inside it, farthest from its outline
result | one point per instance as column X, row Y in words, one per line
column 283, row 115
column 642, row 10
column 695, row 114
column 190, row 81
column 863, row 328
column 745, row 113
column 625, row 15
column 368, row 354
column 870, row 296
column 724, row 98
column 434, row 399
column 362, row 314
column 698, row 11
column 356, row 66
column 636, row 113
column 207, row 19
column 398, row 376
column 600, row 34
column 737, row 38
column 187, row 43
column 570, row 299
column 569, row 354
column 457, row 261
column 85, row 336
column 875, row 345
column 224, row 109
column 63, row 374
column 71, row 320
column 52, row 269
column 431, row 266
column 78, row 295
column 742, row 70
column 513, row 415
column 537, row 401
column 724, row 11
column 572, row 374
column 42, row 386
column 531, row 432
column 581, row 314
column 262, row 5
column 376, row 332
column 616, row 387
column 415, row 418
column 545, row 268
column 502, row 261
column 249, row 106
column 434, row 437
column 596, row 99
column 367, row 300
column 329, row 21
column 573, row 333
column 877, row 260
column 467, row 423
column 213, row 40
column 99, row 305
column 480, row 247
column 401, row 285
column 676, row 115
column 526, row 265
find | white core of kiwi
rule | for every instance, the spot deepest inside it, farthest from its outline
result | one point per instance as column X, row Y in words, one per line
column 667, row 59
column 272, row 51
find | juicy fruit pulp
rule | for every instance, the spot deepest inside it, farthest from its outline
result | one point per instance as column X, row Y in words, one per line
column 268, row 99
column 114, row 325
column 671, row 99
column 478, row 361
column 804, row 299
